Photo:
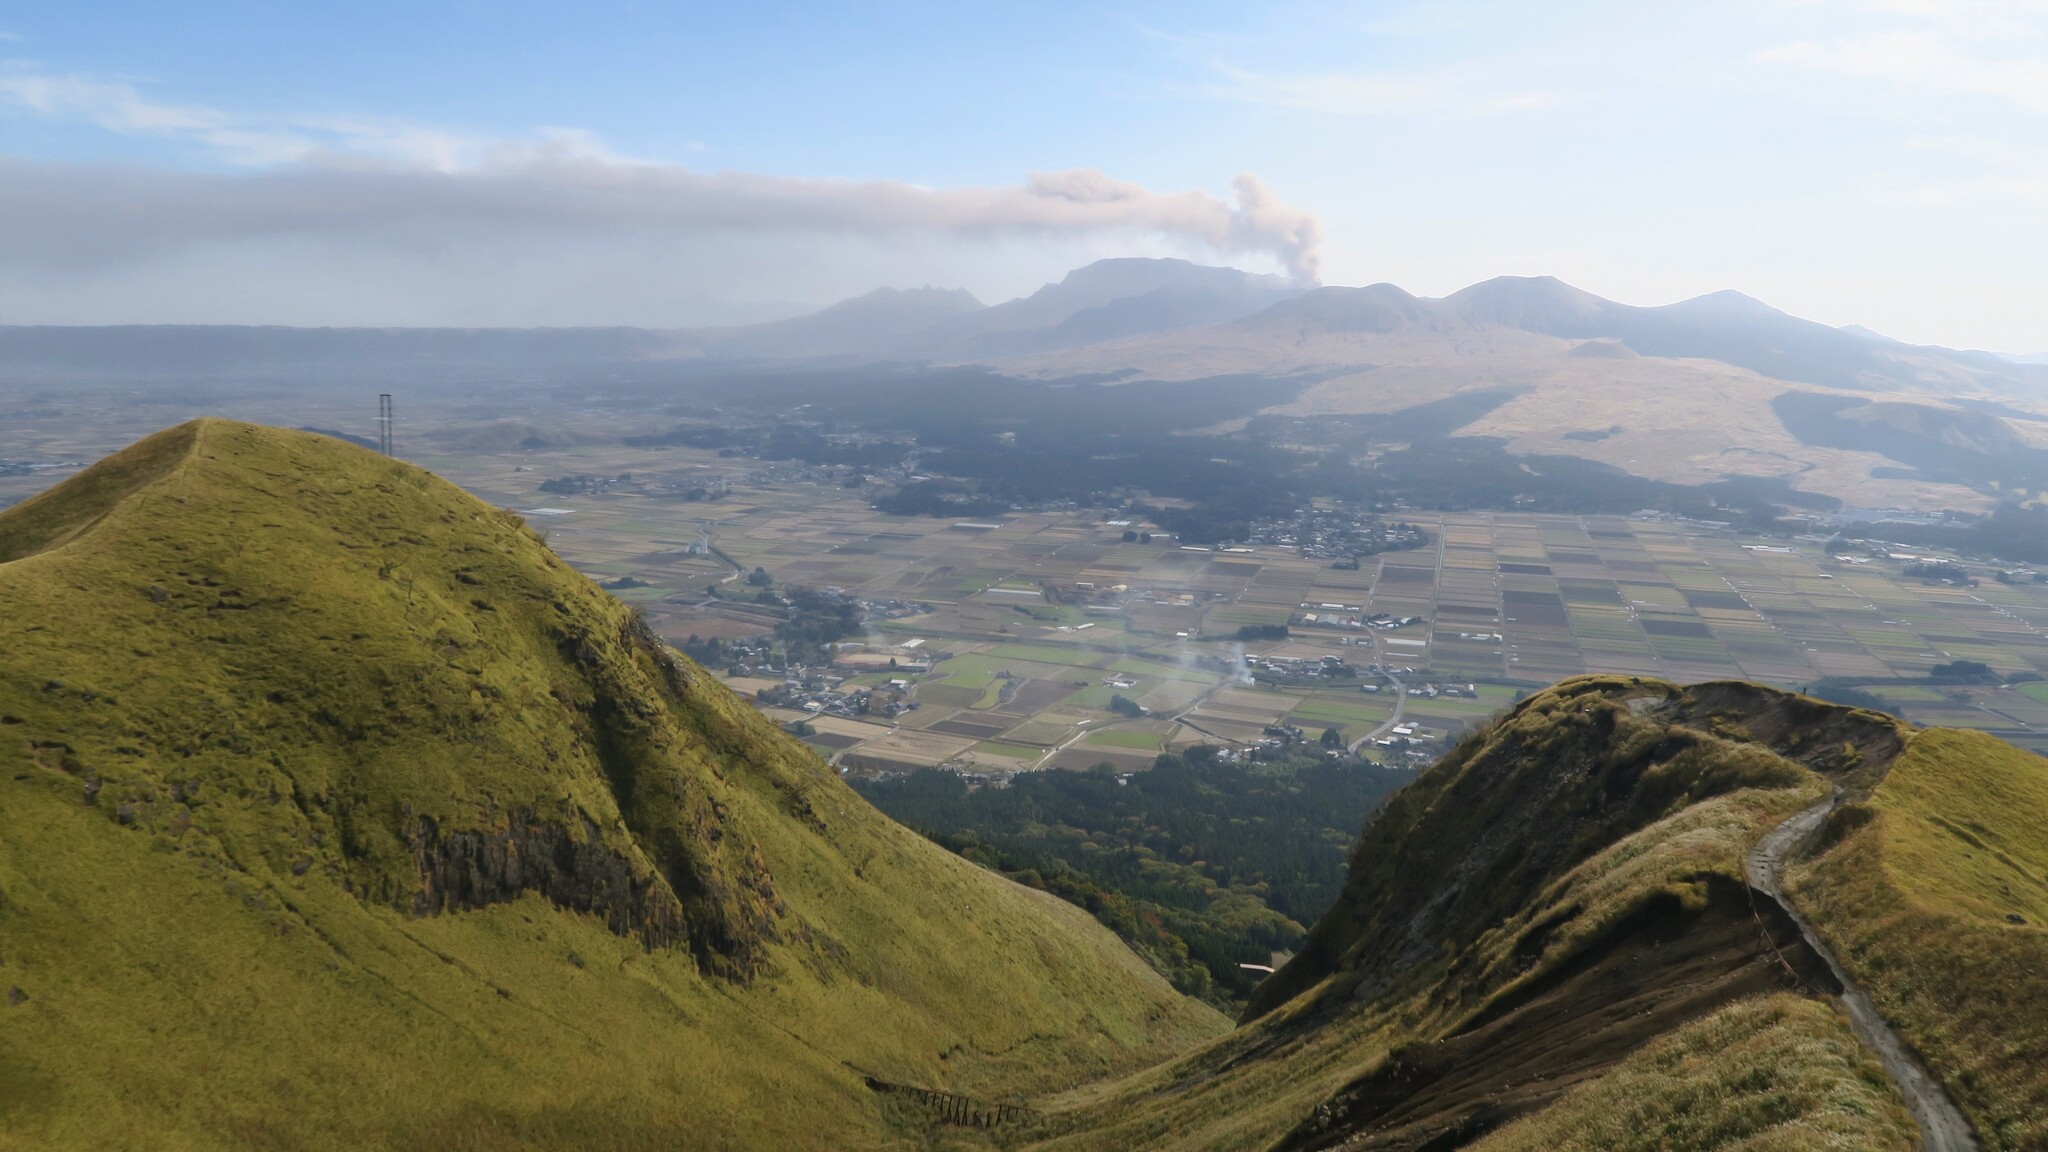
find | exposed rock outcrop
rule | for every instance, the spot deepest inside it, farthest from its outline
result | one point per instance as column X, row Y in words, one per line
column 475, row 868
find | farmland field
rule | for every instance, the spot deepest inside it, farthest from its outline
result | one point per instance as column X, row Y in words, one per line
column 1036, row 621
column 1501, row 601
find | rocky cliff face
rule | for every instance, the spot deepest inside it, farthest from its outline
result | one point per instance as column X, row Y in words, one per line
column 574, row 869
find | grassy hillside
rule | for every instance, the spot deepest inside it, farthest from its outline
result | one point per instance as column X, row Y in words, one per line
column 1935, row 895
column 1771, row 1074
column 1551, row 919
column 337, row 812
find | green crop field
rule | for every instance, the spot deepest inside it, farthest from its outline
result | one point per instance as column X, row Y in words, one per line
column 1125, row 738
column 1162, row 671
column 1045, row 654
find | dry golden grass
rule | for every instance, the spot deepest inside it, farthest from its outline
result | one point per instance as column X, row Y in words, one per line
column 1684, row 421
column 1699, row 802
column 1935, row 896
column 1774, row 1074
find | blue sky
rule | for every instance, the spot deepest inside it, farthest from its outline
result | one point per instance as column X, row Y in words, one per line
column 1880, row 162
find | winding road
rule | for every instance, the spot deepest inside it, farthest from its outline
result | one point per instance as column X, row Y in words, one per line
column 1400, row 704
column 1941, row 1123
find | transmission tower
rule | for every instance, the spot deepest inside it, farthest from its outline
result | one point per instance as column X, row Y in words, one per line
column 384, row 422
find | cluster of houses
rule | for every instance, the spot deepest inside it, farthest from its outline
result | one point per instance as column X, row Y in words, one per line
column 911, row 657
column 1335, row 534
column 1432, row 691
column 1349, row 616
column 1172, row 599
column 1295, row 670
column 825, row 693
column 694, row 485
column 1278, row 742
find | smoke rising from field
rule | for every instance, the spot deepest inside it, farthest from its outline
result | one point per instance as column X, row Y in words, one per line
column 1239, row 669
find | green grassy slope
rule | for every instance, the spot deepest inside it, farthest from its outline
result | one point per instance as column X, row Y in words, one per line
column 1935, row 896
column 337, row 812
column 1552, row 918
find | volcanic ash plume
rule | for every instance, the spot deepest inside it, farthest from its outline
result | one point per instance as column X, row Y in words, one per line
column 69, row 214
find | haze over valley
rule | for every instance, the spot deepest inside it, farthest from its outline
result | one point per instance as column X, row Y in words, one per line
column 910, row 577
column 1713, row 388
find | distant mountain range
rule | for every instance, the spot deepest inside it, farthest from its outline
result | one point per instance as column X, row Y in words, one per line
column 1725, row 326
column 1106, row 303
column 1691, row 392
column 1107, row 300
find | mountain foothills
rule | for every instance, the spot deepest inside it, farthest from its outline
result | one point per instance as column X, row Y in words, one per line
column 337, row 812
column 1709, row 390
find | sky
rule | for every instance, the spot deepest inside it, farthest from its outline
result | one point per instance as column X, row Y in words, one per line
column 1879, row 162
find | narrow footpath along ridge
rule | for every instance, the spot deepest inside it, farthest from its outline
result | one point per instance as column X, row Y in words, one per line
column 1941, row 1123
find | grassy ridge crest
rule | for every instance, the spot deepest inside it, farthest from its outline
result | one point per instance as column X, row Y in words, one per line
column 1552, row 917
column 337, row 812
column 1934, row 892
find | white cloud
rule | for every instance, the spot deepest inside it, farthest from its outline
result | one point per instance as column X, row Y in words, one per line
column 117, row 105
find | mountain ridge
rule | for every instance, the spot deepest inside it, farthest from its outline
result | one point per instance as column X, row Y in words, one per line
column 1549, row 941
column 337, row 812
column 1713, row 388
column 1102, row 303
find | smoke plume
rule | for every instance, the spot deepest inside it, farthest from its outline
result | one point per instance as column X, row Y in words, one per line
column 71, row 218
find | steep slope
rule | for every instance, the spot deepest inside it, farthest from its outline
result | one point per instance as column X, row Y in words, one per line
column 1774, row 1073
column 1550, row 933
column 1935, row 892
column 1475, row 840
column 337, row 812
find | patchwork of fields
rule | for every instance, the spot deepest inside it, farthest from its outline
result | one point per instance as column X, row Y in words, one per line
column 1502, row 601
